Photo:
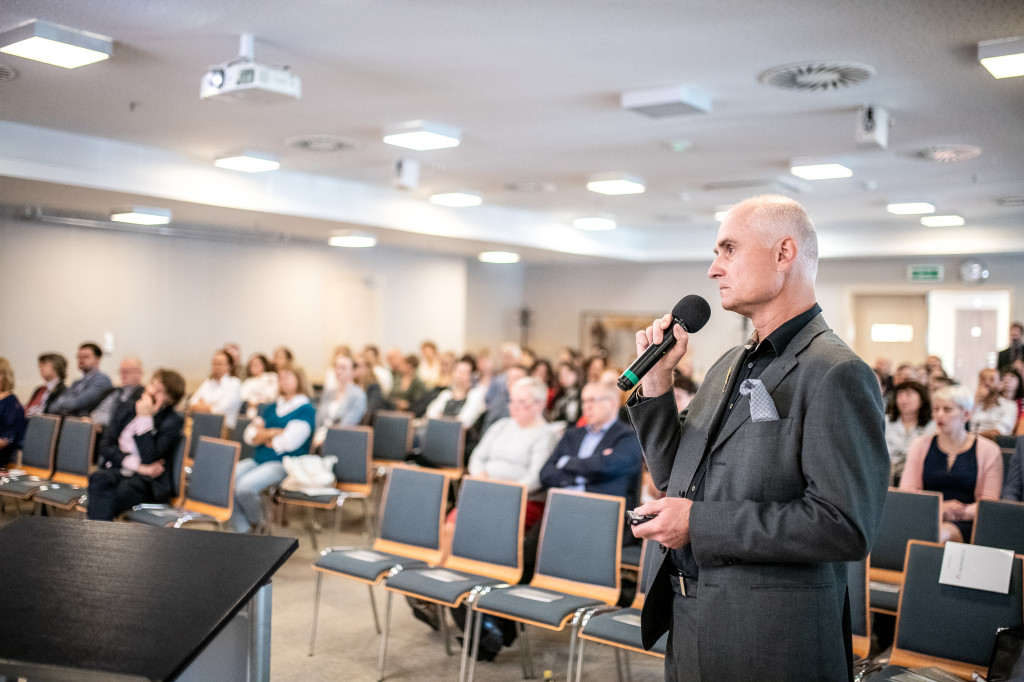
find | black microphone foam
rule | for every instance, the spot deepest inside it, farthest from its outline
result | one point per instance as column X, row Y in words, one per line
column 691, row 313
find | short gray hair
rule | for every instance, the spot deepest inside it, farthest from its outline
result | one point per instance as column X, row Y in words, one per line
column 776, row 217
column 958, row 394
column 538, row 391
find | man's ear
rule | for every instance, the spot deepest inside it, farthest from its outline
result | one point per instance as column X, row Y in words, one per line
column 785, row 254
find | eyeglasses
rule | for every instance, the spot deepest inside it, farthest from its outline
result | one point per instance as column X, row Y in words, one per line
column 595, row 400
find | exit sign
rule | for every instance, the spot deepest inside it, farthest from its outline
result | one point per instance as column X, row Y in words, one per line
column 925, row 273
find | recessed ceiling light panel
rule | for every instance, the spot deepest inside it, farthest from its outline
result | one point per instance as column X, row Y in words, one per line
column 54, row 44
column 821, row 171
column 614, row 184
column 457, row 199
column 498, row 257
column 942, row 221
column 352, row 240
column 142, row 215
column 248, row 162
column 1004, row 58
column 423, row 136
column 911, row 208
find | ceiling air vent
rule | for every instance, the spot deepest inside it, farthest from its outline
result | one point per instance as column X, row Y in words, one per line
column 7, row 73
column 816, row 76
column 946, row 153
column 320, row 143
column 1011, row 201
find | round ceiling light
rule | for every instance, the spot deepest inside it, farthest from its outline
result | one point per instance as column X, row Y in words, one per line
column 816, row 75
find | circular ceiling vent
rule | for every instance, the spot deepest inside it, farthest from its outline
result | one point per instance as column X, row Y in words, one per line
column 320, row 143
column 947, row 153
column 7, row 73
column 816, row 75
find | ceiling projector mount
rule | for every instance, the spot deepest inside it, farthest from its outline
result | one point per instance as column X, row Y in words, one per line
column 243, row 80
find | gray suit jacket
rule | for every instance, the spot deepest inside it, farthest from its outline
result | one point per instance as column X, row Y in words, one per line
column 786, row 502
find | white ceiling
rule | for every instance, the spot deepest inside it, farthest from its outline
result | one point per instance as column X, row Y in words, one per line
column 534, row 87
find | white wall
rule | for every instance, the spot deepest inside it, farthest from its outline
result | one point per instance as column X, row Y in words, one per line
column 172, row 301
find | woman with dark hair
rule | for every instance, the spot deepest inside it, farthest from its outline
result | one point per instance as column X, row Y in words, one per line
column 364, row 376
column 283, row 356
column 12, row 416
column 542, row 369
column 260, row 385
column 221, row 393
column 1012, row 387
column 566, row 405
column 408, row 388
column 909, row 417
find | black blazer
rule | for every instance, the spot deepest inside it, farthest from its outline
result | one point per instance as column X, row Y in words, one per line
column 54, row 394
column 160, row 443
column 613, row 469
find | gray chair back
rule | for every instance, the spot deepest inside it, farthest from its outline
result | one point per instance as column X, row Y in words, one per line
column 204, row 425
column 352, row 446
column 646, row 565
column 857, row 583
column 392, row 435
column 906, row 516
column 40, row 441
column 1000, row 524
column 951, row 622
column 489, row 526
column 75, row 446
column 580, row 537
column 238, row 436
column 444, row 443
column 213, row 469
column 178, row 465
column 414, row 500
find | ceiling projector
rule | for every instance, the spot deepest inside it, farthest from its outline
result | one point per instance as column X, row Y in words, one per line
column 243, row 80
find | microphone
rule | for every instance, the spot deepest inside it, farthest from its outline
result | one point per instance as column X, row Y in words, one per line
column 691, row 313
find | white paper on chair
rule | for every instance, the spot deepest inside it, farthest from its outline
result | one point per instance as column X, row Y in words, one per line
column 536, row 595
column 366, row 555
column 317, row 492
column 976, row 567
column 442, row 575
column 628, row 619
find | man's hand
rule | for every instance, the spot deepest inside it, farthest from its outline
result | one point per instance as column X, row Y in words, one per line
column 144, row 406
column 152, row 470
column 659, row 379
column 671, row 524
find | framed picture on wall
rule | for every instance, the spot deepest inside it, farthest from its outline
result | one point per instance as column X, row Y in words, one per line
column 613, row 332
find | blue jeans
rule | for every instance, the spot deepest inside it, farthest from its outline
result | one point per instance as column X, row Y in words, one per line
column 251, row 479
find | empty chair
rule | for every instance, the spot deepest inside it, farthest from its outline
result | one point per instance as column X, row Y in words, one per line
column 353, row 475
column 620, row 628
column 411, row 523
column 74, row 462
column 209, row 493
column 444, row 443
column 206, row 425
column 486, row 549
column 907, row 516
column 577, row 568
column 38, row 448
column 392, row 437
column 1000, row 524
column 238, row 435
column 950, row 627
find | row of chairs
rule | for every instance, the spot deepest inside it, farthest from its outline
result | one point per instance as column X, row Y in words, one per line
column 56, row 459
column 576, row 582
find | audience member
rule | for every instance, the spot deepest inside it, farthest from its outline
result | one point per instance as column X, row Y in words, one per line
column 993, row 414
column 53, row 368
column 221, row 393
column 484, row 369
column 284, row 429
column 932, row 364
column 542, row 369
column 909, row 417
column 343, row 405
column 448, row 360
column 86, row 393
column 1014, row 354
column 137, row 451
column 330, row 383
column 384, row 377
column 429, row 370
column 235, row 351
column 566, row 406
column 393, row 359
column 683, row 389
column 883, row 370
column 1013, row 487
column 260, row 385
column 461, row 400
column 130, row 390
column 282, row 356
column 602, row 457
column 497, row 396
column 963, row 466
column 595, row 367
column 366, row 379
column 12, row 416
column 408, row 388
column 937, row 382
column 1011, row 387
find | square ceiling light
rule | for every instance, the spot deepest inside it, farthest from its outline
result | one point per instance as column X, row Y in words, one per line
column 142, row 215
column 423, row 136
column 55, row 44
column 498, row 257
column 1004, row 58
column 665, row 102
column 459, row 199
column 595, row 223
column 248, row 162
column 910, row 208
column 614, row 184
column 942, row 221
column 352, row 240
column 820, row 171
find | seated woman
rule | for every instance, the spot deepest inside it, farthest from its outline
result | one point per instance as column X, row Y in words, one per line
column 344, row 405
column 1011, row 387
column 408, row 388
column 285, row 429
column 366, row 378
column 12, row 416
column 566, row 405
column 909, row 417
column 260, row 385
column 962, row 466
column 461, row 399
column 137, row 450
column 221, row 393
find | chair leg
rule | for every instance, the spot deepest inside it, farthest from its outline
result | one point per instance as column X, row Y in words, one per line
column 367, row 518
column 625, row 666
column 477, row 625
column 525, row 653
column 443, row 620
column 468, row 625
column 316, row 610
column 373, row 605
column 579, row 664
column 311, row 517
column 384, row 638
column 574, row 640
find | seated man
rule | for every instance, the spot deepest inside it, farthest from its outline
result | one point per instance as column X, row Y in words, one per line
column 602, row 457
column 136, row 452
column 130, row 390
column 86, row 393
column 993, row 414
column 1013, row 486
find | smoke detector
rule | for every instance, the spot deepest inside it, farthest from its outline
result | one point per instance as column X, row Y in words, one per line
column 816, row 75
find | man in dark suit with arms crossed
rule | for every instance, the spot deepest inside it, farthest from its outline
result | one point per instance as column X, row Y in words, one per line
column 774, row 476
